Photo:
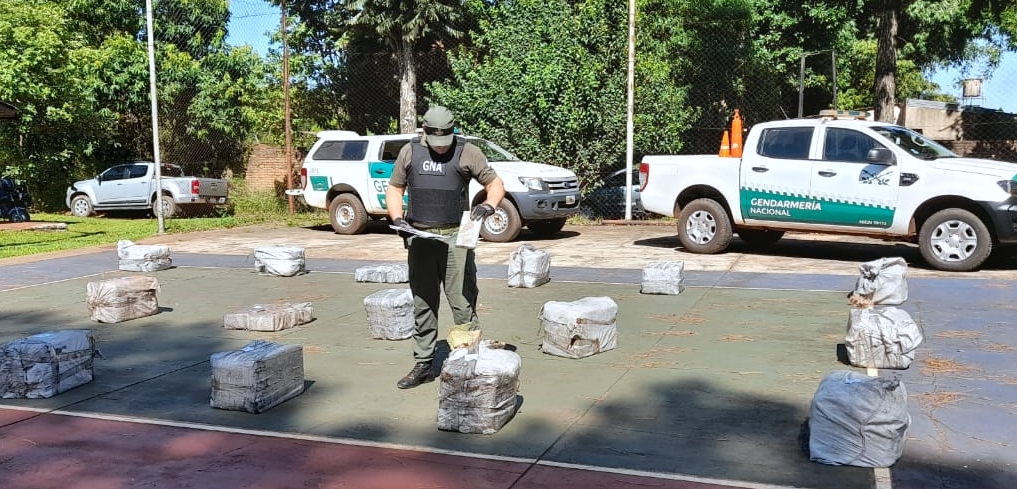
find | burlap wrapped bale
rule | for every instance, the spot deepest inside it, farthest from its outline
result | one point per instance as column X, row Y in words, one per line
column 46, row 364
column 390, row 314
column 390, row 273
column 143, row 258
column 665, row 278
column 123, row 298
column 257, row 377
column 477, row 392
column 529, row 267
column 858, row 420
column 269, row 317
column 580, row 328
column 881, row 337
column 881, row 282
column 282, row 261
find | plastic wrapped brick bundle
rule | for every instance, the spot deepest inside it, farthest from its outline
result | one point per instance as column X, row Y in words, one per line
column 390, row 273
column 883, row 337
column 478, row 391
column 143, row 258
column 269, row 317
column 665, row 278
column 121, row 299
column 46, row 364
column 257, row 377
column 529, row 267
column 580, row 328
column 881, row 282
column 858, row 420
column 282, row 261
column 390, row 314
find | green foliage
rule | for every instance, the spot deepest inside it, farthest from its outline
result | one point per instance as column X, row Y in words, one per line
column 78, row 70
column 544, row 81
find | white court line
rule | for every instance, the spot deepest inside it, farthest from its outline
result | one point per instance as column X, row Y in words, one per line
column 396, row 446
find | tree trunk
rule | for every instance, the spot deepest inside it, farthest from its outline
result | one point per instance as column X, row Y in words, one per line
column 407, row 89
column 886, row 63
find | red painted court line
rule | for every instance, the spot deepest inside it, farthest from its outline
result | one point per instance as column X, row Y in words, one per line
column 51, row 451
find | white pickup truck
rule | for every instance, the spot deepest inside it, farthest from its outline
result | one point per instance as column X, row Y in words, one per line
column 132, row 186
column 839, row 174
column 348, row 174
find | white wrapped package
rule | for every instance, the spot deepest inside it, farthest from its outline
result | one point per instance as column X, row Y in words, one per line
column 665, row 278
column 882, row 282
column 46, row 364
column 121, row 299
column 269, row 317
column 282, row 261
column 390, row 314
column 529, row 267
column 389, row 273
column 580, row 328
column 258, row 377
column 143, row 258
column 858, row 420
column 882, row 337
column 477, row 392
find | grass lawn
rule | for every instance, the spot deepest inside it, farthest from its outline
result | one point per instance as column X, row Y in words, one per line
column 84, row 232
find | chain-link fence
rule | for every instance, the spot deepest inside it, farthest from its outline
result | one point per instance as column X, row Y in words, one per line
column 219, row 98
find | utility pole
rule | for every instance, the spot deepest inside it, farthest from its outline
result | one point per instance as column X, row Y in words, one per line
column 286, row 109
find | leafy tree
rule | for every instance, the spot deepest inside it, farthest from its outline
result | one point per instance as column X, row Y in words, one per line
column 546, row 79
column 343, row 39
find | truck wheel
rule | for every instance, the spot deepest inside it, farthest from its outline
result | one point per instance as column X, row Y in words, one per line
column 81, row 206
column 704, row 228
column 546, row 228
column 168, row 207
column 954, row 240
column 348, row 214
column 759, row 237
column 504, row 225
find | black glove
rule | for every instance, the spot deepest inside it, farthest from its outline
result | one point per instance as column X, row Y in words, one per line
column 481, row 211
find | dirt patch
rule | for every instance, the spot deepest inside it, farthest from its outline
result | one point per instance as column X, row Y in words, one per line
column 959, row 334
column 933, row 400
column 676, row 319
column 939, row 366
column 33, row 226
column 736, row 337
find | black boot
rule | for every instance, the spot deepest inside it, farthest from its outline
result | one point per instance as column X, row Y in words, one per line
column 421, row 374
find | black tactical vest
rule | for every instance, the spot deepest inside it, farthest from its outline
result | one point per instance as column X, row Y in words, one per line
column 436, row 186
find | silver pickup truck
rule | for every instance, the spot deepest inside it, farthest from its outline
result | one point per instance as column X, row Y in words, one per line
column 132, row 186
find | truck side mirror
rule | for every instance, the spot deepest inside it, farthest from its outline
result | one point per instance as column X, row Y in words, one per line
column 881, row 155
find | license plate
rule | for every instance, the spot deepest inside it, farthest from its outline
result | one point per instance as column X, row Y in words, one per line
column 570, row 199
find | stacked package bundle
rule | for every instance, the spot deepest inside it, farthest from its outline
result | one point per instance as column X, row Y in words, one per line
column 121, row 299
column 257, row 377
column 883, row 337
column 858, row 420
column 529, row 267
column 665, row 278
column 881, row 282
column 580, row 328
column 269, row 317
column 478, row 391
column 282, row 261
column 393, row 273
column 143, row 258
column 46, row 364
column 390, row 314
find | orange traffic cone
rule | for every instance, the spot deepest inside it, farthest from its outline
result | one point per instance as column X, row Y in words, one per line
column 725, row 146
column 736, row 135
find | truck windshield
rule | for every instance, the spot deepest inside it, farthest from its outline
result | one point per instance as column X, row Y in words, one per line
column 917, row 145
column 492, row 151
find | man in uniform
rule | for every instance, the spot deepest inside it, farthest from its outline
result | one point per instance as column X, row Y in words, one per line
column 435, row 171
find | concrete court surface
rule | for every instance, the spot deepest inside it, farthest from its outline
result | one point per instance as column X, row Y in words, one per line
column 699, row 391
